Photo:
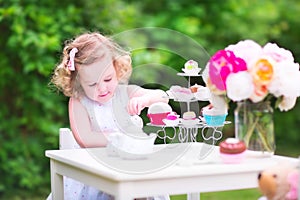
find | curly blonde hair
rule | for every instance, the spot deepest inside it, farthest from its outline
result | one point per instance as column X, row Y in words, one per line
column 90, row 46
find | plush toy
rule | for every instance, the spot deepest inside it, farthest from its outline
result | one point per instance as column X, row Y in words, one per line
column 279, row 182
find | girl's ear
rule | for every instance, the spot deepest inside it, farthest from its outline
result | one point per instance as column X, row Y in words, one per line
column 123, row 68
column 127, row 59
column 123, row 60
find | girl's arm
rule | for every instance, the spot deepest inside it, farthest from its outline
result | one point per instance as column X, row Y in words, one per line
column 141, row 98
column 81, row 126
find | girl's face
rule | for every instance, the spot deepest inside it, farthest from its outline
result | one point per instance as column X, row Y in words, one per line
column 99, row 79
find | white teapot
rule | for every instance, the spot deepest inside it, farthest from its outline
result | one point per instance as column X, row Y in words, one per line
column 131, row 146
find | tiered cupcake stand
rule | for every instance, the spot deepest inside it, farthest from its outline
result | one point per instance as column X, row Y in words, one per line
column 188, row 133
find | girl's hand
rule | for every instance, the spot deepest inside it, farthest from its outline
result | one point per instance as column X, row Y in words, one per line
column 136, row 105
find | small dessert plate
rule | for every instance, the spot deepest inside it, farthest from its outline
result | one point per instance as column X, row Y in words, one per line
column 169, row 122
column 189, row 122
column 181, row 96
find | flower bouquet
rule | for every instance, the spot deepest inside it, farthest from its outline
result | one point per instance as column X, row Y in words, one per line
column 249, row 73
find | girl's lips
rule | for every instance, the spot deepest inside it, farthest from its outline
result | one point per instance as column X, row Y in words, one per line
column 104, row 94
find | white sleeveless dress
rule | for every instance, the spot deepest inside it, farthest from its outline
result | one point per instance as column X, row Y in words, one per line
column 101, row 119
column 110, row 117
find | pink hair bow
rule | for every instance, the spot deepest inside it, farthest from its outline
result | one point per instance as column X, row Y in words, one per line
column 71, row 65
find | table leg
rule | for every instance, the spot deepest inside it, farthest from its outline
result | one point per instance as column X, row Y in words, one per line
column 57, row 187
column 193, row 196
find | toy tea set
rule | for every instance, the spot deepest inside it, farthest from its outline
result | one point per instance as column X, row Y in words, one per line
column 161, row 115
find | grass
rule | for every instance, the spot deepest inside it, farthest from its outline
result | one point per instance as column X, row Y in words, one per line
column 248, row 194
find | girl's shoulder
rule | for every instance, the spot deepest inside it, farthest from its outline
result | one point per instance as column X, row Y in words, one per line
column 75, row 104
column 74, row 101
column 77, row 100
column 80, row 103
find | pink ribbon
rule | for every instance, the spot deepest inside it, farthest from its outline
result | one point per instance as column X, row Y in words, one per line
column 71, row 65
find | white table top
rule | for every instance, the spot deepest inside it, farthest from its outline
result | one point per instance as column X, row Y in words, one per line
column 169, row 161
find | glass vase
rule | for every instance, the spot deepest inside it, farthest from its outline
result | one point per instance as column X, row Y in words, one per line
column 254, row 125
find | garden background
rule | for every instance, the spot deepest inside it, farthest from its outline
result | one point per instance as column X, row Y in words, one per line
column 32, row 36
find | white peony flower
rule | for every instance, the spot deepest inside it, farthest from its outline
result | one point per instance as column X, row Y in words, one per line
column 239, row 86
column 247, row 50
column 287, row 103
column 277, row 53
column 286, row 80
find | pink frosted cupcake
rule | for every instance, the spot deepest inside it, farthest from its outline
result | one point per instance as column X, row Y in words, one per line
column 172, row 119
column 232, row 150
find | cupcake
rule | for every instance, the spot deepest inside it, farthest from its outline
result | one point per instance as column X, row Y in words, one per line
column 172, row 116
column 232, row 150
column 191, row 67
column 172, row 119
column 190, row 115
column 189, row 118
column 214, row 116
column 157, row 112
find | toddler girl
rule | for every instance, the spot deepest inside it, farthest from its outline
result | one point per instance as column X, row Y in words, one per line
column 94, row 73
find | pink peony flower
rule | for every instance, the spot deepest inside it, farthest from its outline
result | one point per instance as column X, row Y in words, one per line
column 221, row 65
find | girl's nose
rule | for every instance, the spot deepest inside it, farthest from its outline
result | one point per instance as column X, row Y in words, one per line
column 101, row 87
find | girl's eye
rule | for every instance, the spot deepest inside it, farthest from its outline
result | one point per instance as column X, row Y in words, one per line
column 93, row 84
column 107, row 80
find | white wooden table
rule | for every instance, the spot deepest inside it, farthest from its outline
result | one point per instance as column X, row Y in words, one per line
column 173, row 169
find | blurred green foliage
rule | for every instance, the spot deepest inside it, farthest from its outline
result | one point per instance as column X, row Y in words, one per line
column 32, row 36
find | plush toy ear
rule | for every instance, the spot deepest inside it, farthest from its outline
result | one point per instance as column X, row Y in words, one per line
column 267, row 184
column 292, row 179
